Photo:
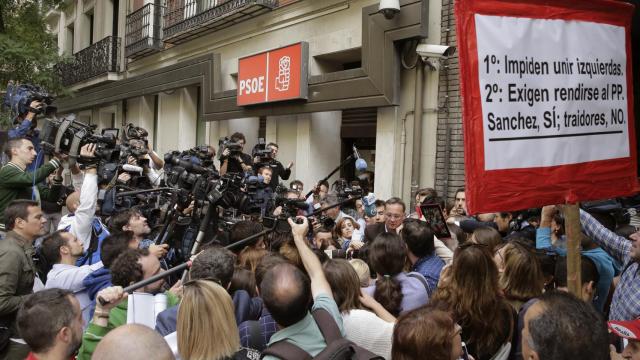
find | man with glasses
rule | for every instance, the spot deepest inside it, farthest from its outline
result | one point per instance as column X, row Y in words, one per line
column 394, row 212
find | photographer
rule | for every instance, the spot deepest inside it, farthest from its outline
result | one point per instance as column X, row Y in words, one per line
column 235, row 161
column 25, row 127
column 81, row 221
column 264, row 194
column 16, row 183
column 278, row 171
column 152, row 165
column 133, row 220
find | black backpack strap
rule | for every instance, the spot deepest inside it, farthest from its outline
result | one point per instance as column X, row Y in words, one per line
column 422, row 280
column 255, row 335
column 327, row 325
column 285, row 350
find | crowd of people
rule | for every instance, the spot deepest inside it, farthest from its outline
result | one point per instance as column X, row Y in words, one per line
column 363, row 281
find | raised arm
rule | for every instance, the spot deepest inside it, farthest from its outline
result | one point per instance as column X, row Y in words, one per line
column 617, row 246
column 319, row 284
column 88, row 200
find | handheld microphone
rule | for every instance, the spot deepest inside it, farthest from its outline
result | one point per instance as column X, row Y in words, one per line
column 369, row 203
column 361, row 164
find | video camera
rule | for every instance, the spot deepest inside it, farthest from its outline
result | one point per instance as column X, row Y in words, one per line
column 135, row 145
column 345, row 190
column 192, row 180
column 233, row 191
column 226, row 143
column 260, row 151
column 19, row 97
column 67, row 136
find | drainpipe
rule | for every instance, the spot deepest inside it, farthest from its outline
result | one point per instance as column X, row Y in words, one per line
column 417, row 131
column 403, row 145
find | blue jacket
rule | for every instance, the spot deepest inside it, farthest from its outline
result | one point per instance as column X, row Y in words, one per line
column 95, row 282
column 245, row 307
column 605, row 264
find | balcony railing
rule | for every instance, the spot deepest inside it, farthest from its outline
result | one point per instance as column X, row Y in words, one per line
column 144, row 31
column 187, row 19
column 98, row 59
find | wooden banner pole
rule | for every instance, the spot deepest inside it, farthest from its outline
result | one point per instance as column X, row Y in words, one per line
column 574, row 238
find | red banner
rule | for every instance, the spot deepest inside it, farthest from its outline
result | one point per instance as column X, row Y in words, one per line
column 547, row 97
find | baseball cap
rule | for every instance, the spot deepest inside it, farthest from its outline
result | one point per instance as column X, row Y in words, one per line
column 629, row 329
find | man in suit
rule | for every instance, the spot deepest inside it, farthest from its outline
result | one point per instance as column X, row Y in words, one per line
column 394, row 209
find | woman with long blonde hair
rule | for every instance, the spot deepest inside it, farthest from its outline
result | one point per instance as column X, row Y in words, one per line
column 206, row 327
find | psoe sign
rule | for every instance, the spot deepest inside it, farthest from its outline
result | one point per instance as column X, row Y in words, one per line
column 274, row 75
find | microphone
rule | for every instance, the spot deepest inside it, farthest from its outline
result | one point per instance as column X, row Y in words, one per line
column 361, row 164
column 132, row 168
column 369, row 203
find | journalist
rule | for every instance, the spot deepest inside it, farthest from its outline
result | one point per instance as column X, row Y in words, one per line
column 82, row 221
column 133, row 220
column 25, row 223
column 235, row 161
column 25, row 127
column 17, row 183
column 278, row 170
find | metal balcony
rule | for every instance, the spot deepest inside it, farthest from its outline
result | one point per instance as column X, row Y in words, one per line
column 101, row 58
column 144, row 31
column 187, row 19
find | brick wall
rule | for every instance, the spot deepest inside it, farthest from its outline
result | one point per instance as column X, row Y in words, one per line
column 449, row 154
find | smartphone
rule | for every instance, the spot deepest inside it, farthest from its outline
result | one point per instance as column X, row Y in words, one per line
column 465, row 353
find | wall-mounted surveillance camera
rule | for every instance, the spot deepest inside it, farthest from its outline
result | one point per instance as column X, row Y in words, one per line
column 432, row 54
column 435, row 51
column 389, row 8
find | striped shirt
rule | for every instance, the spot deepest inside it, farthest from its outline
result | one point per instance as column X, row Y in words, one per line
column 626, row 298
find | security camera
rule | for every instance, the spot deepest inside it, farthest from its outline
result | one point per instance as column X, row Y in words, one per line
column 389, row 8
column 432, row 54
column 426, row 51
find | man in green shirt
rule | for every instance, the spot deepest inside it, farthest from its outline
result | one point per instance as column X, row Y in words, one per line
column 130, row 267
column 16, row 183
column 25, row 223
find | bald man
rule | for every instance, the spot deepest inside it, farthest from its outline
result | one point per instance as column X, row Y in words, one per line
column 132, row 342
column 81, row 221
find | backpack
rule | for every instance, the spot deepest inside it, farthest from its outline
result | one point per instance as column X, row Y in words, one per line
column 338, row 348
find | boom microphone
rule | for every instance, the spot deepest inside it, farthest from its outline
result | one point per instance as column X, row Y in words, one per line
column 361, row 164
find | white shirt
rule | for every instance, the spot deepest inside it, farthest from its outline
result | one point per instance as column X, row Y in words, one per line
column 69, row 277
column 79, row 223
column 358, row 326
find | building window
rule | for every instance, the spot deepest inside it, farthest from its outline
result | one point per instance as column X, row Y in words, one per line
column 90, row 22
column 69, row 38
